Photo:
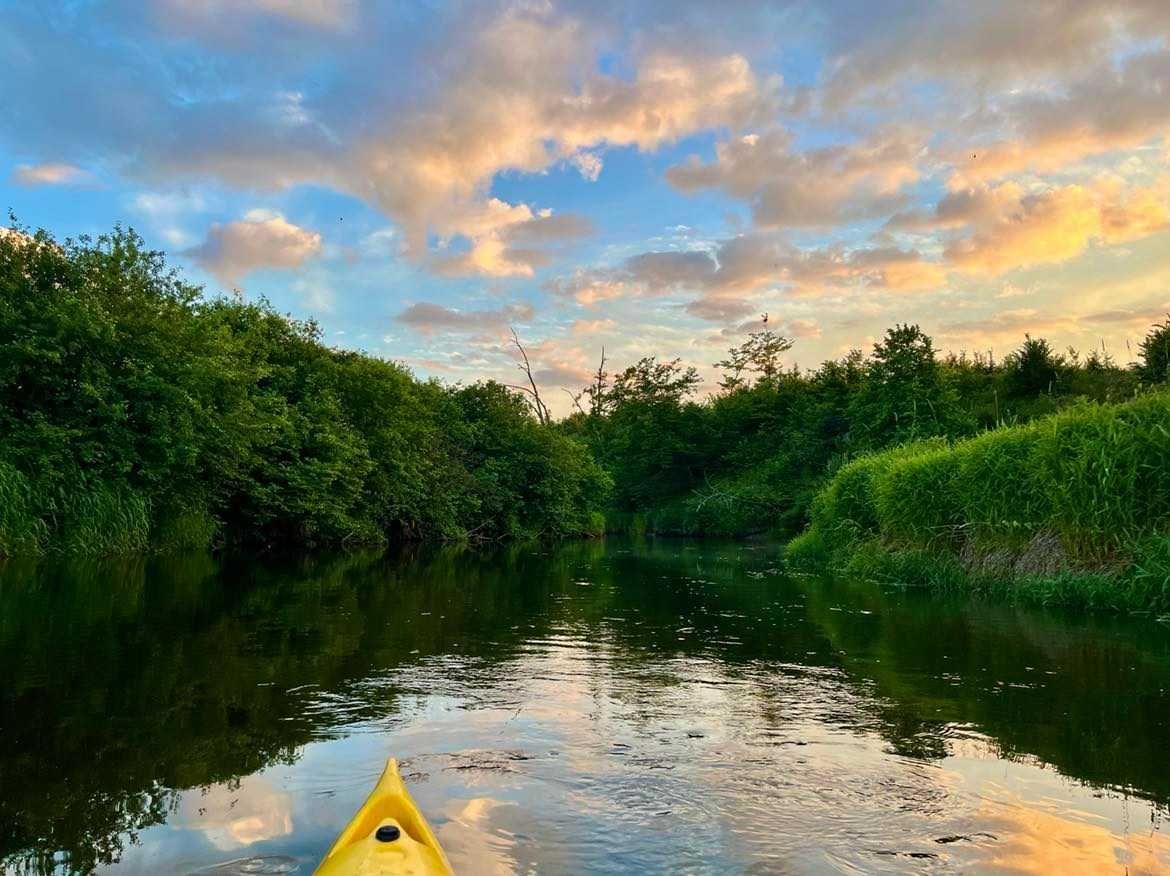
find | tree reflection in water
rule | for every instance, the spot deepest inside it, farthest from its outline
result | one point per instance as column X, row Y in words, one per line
column 534, row 691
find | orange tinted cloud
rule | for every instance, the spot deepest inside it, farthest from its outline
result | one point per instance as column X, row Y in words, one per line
column 51, row 174
column 525, row 99
column 262, row 239
column 1055, row 225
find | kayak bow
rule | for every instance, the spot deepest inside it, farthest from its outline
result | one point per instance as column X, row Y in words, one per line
column 388, row 836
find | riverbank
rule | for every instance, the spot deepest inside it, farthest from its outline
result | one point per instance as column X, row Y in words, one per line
column 1070, row 509
column 138, row 413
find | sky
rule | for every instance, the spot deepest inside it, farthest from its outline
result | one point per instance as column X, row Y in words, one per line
column 651, row 178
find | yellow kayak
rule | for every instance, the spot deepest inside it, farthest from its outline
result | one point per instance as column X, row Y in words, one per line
column 388, row 835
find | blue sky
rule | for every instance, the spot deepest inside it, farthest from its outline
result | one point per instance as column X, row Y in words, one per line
column 650, row 177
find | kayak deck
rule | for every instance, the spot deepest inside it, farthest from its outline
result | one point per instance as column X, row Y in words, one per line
column 386, row 837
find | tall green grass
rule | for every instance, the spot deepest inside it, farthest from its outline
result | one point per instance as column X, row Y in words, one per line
column 93, row 520
column 102, row 519
column 22, row 531
column 1075, row 506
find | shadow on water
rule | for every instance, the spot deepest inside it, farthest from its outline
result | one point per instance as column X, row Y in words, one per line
column 128, row 682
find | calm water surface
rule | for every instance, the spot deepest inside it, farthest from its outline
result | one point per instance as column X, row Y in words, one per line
column 611, row 708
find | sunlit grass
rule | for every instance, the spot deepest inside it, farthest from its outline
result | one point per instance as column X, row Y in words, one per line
column 1071, row 508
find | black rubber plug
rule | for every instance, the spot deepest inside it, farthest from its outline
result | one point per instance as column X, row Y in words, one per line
column 387, row 833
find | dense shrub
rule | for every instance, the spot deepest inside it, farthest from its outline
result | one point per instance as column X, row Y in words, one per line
column 137, row 412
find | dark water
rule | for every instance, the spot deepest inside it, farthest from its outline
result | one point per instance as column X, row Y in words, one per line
column 591, row 708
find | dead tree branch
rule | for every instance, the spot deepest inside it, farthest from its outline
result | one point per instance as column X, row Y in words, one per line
column 537, row 403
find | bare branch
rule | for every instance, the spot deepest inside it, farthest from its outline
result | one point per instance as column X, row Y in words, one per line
column 536, row 401
column 597, row 391
column 576, row 397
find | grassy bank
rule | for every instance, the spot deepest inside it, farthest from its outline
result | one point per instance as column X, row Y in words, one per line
column 1073, row 509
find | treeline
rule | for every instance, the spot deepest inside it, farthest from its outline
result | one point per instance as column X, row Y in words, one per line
column 752, row 458
column 137, row 413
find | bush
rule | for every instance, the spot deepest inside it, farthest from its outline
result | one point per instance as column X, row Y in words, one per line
column 136, row 412
column 1001, row 485
column 1148, row 577
column 807, row 550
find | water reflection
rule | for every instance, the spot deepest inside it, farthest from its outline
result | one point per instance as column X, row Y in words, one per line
column 604, row 707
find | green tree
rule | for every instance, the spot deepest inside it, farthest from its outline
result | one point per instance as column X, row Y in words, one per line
column 650, row 437
column 758, row 355
column 1033, row 369
column 905, row 394
column 1154, row 366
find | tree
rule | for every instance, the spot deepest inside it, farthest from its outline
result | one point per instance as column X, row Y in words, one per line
column 905, row 394
column 1154, row 366
column 1033, row 369
column 651, row 381
column 649, row 436
column 137, row 411
column 759, row 355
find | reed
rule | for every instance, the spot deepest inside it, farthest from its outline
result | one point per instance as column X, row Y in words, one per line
column 1073, row 508
column 21, row 529
column 102, row 519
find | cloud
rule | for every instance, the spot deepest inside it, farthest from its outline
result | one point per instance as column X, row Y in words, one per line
column 216, row 14
column 815, row 188
column 1102, row 110
column 1133, row 317
column 1006, row 327
column 1024, row 229
column 789, row 328
column 714, row 308
column 379, row 243
column 430, row 318
column 958, row 208
column 727, row 277
column 169, row 204
column 750, row 262
column 260, row 240
column 591, row 326
column 505, row 240
column 588, row 287
column 658, row 273
column 588, row 164
column 561, row 374
column 548, row 226
column 316, row 294
column 991, row 43
column 52, row 174
column 527, row 97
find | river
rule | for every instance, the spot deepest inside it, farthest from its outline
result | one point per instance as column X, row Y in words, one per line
column 607, row 707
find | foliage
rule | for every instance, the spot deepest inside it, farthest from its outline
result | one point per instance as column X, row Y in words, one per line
column 906, row 394
column 1033, row 369
column 137, row 412
column 645, row 437
column 1075, row 500
column 752, row 457
column 1155, row 354
column 759, row 354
